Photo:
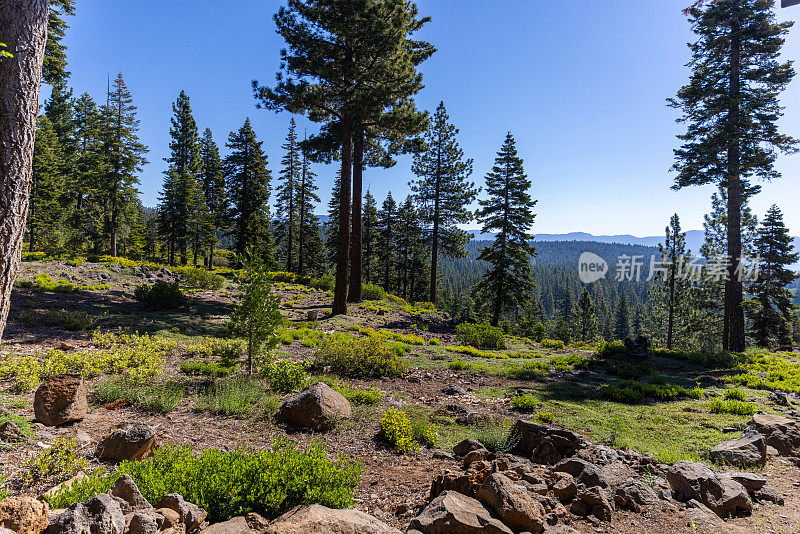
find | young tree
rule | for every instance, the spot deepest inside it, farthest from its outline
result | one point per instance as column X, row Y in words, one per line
column 772, row 309
column 46, row 212
column 257, row 315
column 622, row 319
column 249, row 188
column 443, row 191
column 216, row 195
column 370, row 237
column 387, row 237
column 351, row 63
column 585, row 323
column 509, row 212
column 309, row 241
column 24, row 31
column 286, row 205
column 123, row 157
column 731, row 107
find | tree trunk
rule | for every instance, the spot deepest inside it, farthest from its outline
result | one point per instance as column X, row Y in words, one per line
column 24, row 30
column 211, row 257
column 435, row 243
column 355, row 252
column 733, row 288
column 343, row 254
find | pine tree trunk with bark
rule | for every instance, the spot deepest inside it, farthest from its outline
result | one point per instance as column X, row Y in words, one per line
column 343, row 253
column 23, row 27
column 356, row 242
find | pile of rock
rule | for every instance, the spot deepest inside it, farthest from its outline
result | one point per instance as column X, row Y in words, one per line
column 765, row 435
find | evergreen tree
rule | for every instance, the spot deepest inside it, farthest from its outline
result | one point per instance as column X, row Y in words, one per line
column 45, row 211
column 443, row 191
column 54, row 70
column 507, row 211
column 410, row 252
column 84, row 217
column 622, row 319
column 309, row 242
column 248, row 182
column 286, row 205
column 123, row 157
column 387, row 238
column 731, row 107
column 772, row 309
column 332, row 225
column 585, row 324
column 214, row 190
column 370, row 237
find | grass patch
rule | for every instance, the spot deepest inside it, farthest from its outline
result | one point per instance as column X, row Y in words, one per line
column 159, row 397
column 524, row 403
column 236, row 396
column 632, row 392
column 731, row 406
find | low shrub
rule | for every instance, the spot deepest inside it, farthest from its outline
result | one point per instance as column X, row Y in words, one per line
column 197, row 278
column 496, row 437
column 734, row 394
column 59, row 460
column 348, row 355
column 285, row 376
column 206, row 368
column 308, row 337
column 606, row 349
column 482, row 336
column 396, row 430
column 76, row 262
column 372, row 292
column 232, row 483
column 731, row 406
column 632, row 392
column 326, row 282
column 160, row 296
column 545, row 417
column 555, row 344
column 356, row 396
column 528, row 371
column 33, row 256
column 44, row 282
column 524, row 403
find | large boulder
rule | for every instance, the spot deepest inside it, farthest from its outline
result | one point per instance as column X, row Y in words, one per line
column 317, row 407
column 723, row 495
column 462, row 448
column 127, row 494
column 746, row 451
column 779, row 432
column 60, row 399
column 511, row 503
column 99, row 515
column 633, row 494
column 315, row 518
column 191, row 515
column 531, row 436
column 23, row 514
column 453, row 513
column 582, row 471
column 129, row 441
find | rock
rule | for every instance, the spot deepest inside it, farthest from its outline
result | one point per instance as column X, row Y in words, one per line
column 66, row 347
column 190, row 514
column 465, row 483
column 99, row 515
column 454, row 513
column 511, row 503
column 584, row 473
column 546, row 453
column 463, row 447
column 699, row 516
column 144, row 522
column 237, row 525
column 11, row 433
column 314, row 315
column 60, row 399
column 475, row 456
column 748, row 450
column 317, row 407
column 723, row 495
column 779, row 397
column 127, row 494
column 779, row 432
column 454, row 389
column 768, row 493
column 597, row 500
column 633, row 494
column 530, row 435
column 78, row 477
column 442, row 455
column 750, row 481
column 312, row 519
column 23, row 514
column 129, row 441
column 171, row 517
column 564, row 489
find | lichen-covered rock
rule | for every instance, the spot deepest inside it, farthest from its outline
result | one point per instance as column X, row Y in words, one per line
column 633, row 494
column 60, row 399
column 748, row 450
column 723, row 495
column 99, row 515
column 23, row 514
column 317, row 407
column 129, row 441
column 779, row 432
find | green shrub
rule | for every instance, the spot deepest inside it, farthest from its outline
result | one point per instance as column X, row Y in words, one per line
column 731, row 406
column 539, row 332
column 422, row 430
column 326, row 282
column 196, row 278
column 482, row 336
column 76, row 262
column 528, row 371
column 555, row 344
column 524, row 403
column 232, row 483
column 610, row 348
column 33, row 256
column 545, row 417
column 234, row 396
column 372, row 292
column 734, row 394
column 632, row 392
column 396, row 430
column 348, row 355
column 285, row 376
column 205, row 368
column 354, row 395
column 60, row 460
column 160, row 296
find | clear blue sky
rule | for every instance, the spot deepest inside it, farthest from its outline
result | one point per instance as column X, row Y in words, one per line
column 582, row 84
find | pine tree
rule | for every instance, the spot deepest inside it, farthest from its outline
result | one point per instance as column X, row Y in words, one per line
column 286, row 205
column 732, row 110
column 182, row 209
column 387, row 238
column 409, row 251
column 585, row 323
column 214, row 190
column 123, row 158
column 45, row 211
column 332, row 225
column 331, row 73
column 443, row 191
column 248, row 182
column 54, row 70
column 309, row 242
column 772, row 309
column 370, row 237
column 87, row 165
column 671, row 292
column 507, row 211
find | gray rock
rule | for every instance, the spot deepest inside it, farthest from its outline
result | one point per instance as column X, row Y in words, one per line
column 768, row 493
column 699, row 516
column 779, row 432
column 748, row 450
column 584, row 473
column 467, row 445
column 453, row 513
column 191, row 515
column 454, row 389
column 11, row 433
column 127, row 494
column 99, row 515
column 750, row 481
column 529, row 436
column 633, row 494
column 144, row 522
column 313, row 519
column 723, row 495
column 597, row 500
column 317, row 407
column 512, row 504
column 564, row 488
column 129, row 441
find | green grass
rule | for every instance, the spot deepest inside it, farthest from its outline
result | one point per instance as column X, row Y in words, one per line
column 732, row 406
column 159, row 397
column 237, row 396
column 524, row 403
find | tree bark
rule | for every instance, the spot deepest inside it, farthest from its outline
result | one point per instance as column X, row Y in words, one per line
column 734, row 292
column 343, row 254
column 356, row 241
column 23, row 27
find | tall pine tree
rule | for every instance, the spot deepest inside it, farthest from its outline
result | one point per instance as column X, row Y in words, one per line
column 45, row 211
column 309, row 240
column 387, row 240
column 370, row 237
column 214, row 190
column 286, row 205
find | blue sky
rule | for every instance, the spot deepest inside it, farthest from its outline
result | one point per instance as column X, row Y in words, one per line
column 581, row 86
